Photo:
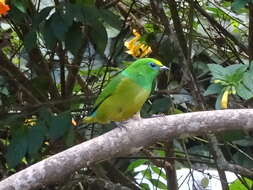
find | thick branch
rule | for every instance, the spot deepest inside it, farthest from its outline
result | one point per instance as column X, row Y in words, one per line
column 124, row 141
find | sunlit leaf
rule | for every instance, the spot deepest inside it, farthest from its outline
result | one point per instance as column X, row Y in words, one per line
column 134, row 164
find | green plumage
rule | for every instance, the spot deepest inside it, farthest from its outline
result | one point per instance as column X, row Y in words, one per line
column 126, row 92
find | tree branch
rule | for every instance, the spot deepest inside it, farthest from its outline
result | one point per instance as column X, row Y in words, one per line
column 128, row 140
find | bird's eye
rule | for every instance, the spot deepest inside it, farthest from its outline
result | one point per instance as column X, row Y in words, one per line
column 152, row 64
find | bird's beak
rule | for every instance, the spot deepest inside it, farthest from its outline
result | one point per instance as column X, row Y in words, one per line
column 164, row 68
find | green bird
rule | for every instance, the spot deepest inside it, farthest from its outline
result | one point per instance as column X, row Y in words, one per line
column 126, row 93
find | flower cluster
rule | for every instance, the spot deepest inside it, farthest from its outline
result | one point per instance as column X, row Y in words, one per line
column 137, row 48
column 4, row 8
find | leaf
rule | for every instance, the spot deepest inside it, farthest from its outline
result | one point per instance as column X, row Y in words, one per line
column 231, row 69
column 144, row 186
column 159, row 184
column 213, row 89
column 41, row 16
column 48, row 35
column 147, row 174
column 21, row 5
column 30, row 40
column 242, row 160
column 36, row 136
column 99, row 37
column 158, row 171
column 246, row 141
column 238, row 185
column 86, row 2
column 59, row 125
column 70, row 137
column 218, row 102
column 68, row 13
column 248, row 80
column 111, row 19
column 58, row 26
column 18, row 147
column 239, row 4
column 243, row 92
column 135, row 164
column 234, row 73
column 232, row 135
column 74, row 42
column 161, row 105
column 217, row 71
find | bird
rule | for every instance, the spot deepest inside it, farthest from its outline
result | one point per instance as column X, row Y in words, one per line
column 125, row 94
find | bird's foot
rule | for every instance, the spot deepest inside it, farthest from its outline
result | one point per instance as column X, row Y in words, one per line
column 157, row 115
column 121, row 125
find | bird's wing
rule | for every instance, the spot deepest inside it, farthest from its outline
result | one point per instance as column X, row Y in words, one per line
column 108, row 90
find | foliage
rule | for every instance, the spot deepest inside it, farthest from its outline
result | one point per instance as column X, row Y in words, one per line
column 56, row 56
column 233, row 79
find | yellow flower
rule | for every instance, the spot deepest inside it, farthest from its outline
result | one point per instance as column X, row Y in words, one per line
column 224, row 99
column 30, row 122
column 137, row 48
column 3, row 7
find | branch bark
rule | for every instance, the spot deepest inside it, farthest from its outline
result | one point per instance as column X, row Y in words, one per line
column 125, row 141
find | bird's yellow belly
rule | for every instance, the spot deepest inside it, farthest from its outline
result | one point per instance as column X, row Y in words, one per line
column 123, row 104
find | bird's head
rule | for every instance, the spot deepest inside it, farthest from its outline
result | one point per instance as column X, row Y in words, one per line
column 148, row 66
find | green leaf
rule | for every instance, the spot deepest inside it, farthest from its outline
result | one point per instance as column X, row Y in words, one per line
column 110, row 18
column 99, row 37
column 68, row 13
column 218, row 101
column 135, row 164
column 161, row 105
column 59, row 125
column 70, row 137
column 147, row 174
column 144, row 186
column 234, row 135
column 30, row 40
column 91, row 15
column 234, row 73
column 41, row 16
column 86, row 2
column 159, row 184
column 213, row 89
column 217, row 71
column 48, row 35
column 21, row 5
column 36, row 136
column 239, row 4
column 74, row 42
column 17, row 15
column 238, row 185
column 246, row 142
column 158, row 171
column 243, row 92
column 18, row 147
column 248, row 80
column 58, row 26
column 242, row 160
column 231, row 69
